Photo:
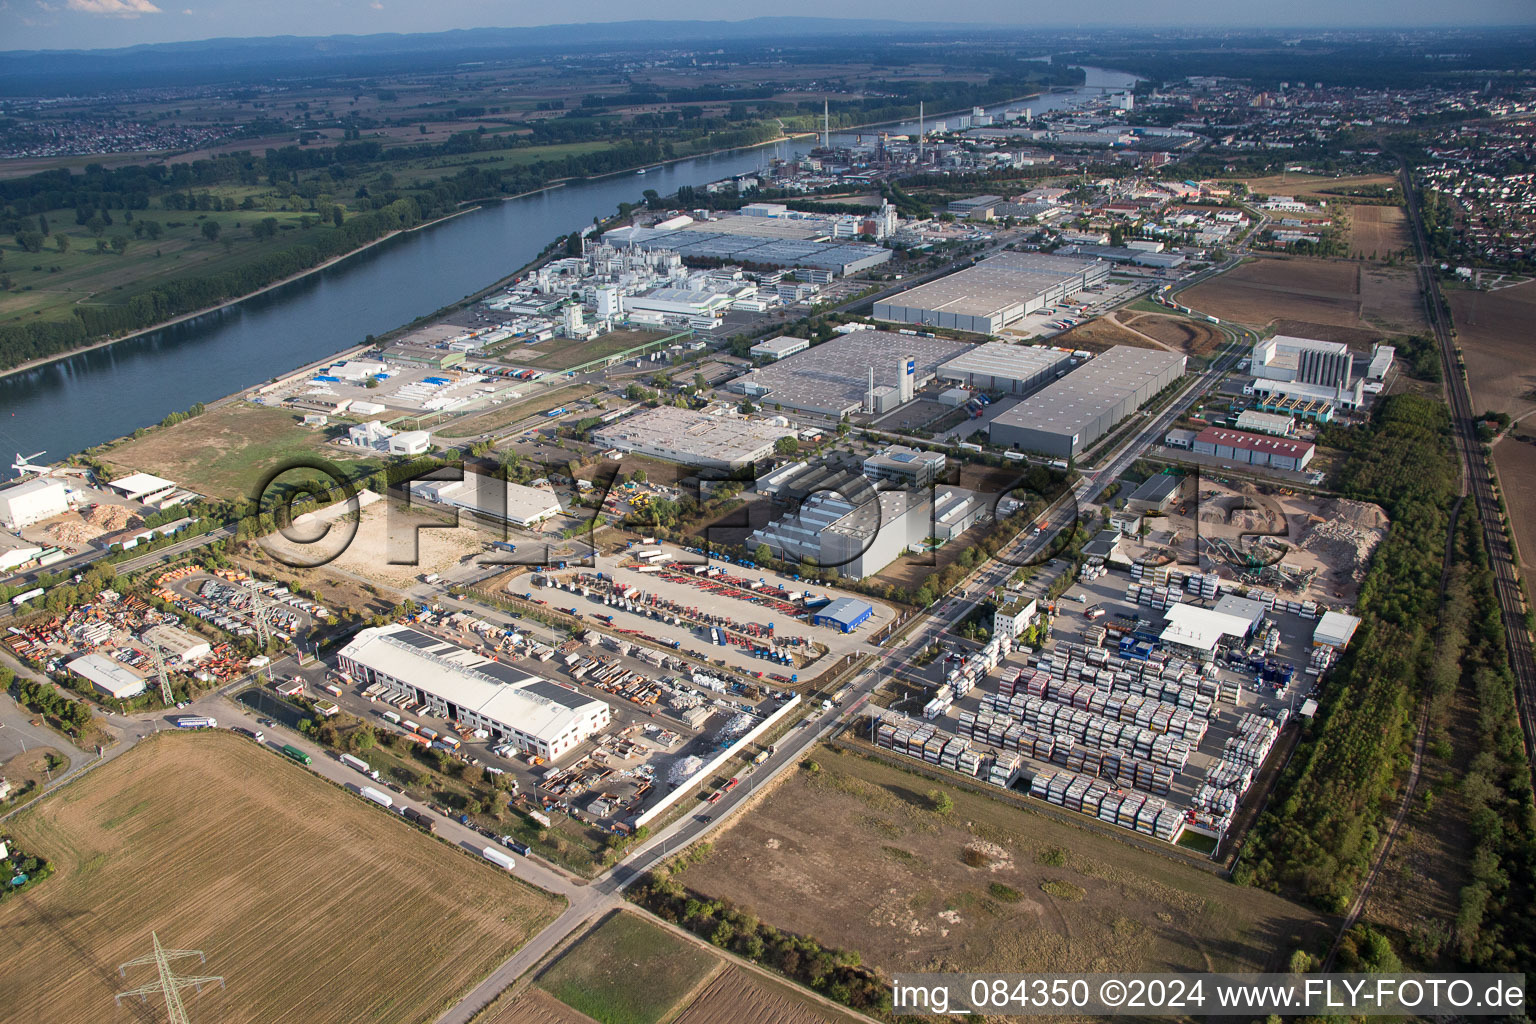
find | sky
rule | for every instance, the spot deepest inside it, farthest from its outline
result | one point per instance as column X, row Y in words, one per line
column 95, row 24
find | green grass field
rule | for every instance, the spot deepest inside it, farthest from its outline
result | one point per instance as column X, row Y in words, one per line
column 226, row 452
column 627, row 971
column 46, row 285
column 563, row 353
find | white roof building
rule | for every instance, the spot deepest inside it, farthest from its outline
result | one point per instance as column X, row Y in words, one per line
column 1334, row 629
column 177, row 642
column 32, row 501
column 495, row 499
column 1201, row 629
column 141, row 486
column 108, row 676
column 537, row 715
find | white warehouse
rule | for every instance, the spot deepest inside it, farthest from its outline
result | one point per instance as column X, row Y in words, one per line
column 538, row 716
column 32, row 501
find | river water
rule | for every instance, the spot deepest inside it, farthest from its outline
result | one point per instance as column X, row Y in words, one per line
column 69, row 405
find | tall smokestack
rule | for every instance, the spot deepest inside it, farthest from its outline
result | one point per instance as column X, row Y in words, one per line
column 826, row 125
column 919, row 131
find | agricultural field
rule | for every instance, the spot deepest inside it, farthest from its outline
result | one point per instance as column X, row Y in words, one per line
column 1493, row 330
column 599, row 976
column 562, row 353
column 1377, row 230
column 1515, row 459
column 986, row 886
column 1318, row 187
column 740, row 995
column 1327, row 299
column 279, row 877
column 227, row 451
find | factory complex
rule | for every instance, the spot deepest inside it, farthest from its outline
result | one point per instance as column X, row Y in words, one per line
column 870, row 370
column 535, row 715
column 994, row 293
column 1067, row 416
column 693, row 438
column 767, row 235
column 998, row 366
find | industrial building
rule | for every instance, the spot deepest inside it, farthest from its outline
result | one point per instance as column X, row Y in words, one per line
column 994, row 293
column 538, row 716
column 1254, row 449
column 857, row 535
column 499, row 500
column 110, row 678
column 1335, row 629
column 753, row 243
column 186, row 648
column 845, row 614
column 778, row 348
column 1277, row 423
column 1303, row 361
column 835, row 378
column 1155, row 493
column 32, row 501
column 143, row 487
column 1199, row 631
column 911, row 467
column 1066, row 417
column 998, row 366
column 692, row 438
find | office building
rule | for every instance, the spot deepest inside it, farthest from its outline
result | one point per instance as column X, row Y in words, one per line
column 910, row 467
column 778, row 348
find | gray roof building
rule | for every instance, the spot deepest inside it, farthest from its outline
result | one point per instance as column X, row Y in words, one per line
column 831, row 378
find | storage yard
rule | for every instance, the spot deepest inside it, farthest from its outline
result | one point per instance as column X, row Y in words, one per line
column 986, row 886
column 227, row 821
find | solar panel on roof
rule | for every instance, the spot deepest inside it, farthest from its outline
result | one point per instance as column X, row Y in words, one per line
column 420, row 641
column 502, row 672
column 559, row 694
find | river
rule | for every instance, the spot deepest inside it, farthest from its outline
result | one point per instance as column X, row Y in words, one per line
column 69, row 405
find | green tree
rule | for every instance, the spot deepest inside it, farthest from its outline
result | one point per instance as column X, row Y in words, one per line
column 763, row 554
column 119, row 244
column 211, row 230
column 62, row 241
column 786, row 446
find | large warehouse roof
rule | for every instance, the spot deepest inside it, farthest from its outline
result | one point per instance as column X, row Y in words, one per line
column 692, row 437
column 1202, row 628
column 1000, row 286
column 1090, row 390
column 1000, row 359
column 491, row 689
column 491, row 497
column 738, row 244
column 108, row 676
column 832, row 377
column 1254, row 442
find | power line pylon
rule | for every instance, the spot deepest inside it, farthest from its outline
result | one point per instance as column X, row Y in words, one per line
column 169, row 983
column 165, row 680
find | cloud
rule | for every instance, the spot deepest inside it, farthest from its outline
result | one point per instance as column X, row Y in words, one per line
column 113, row 8
column 376, row 5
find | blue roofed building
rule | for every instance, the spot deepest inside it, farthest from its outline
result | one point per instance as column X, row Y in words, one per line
column 845, row 614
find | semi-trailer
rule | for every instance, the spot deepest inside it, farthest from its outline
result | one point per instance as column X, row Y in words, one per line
column 498, row 858
column 295, row 753
column 382, row 799
column 196, row 722
column 355, row 762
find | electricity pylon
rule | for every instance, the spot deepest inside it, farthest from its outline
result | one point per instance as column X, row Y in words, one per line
column 169, row 983
column 165, row 680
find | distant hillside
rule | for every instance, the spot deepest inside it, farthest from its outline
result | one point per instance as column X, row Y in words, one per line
column 48, row 72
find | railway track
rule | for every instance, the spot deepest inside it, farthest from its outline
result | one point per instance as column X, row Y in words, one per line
column 1477, row 480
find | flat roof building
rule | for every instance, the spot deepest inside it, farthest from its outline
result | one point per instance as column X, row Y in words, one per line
column 1012, row 369
column 178, row 643
column 692, row 438
column 1303, row 360
column 992, row 294
column 1155, row 493
column 1066, row 417
column 848, row 526
column 832, row 379
column 1334, row 629
column 533, row 713
column 502, row 501
column 911, row 466
column 778, row 348
column 1254, row 449
column 1200, row 630
column 108, row 676
column 32, row 501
